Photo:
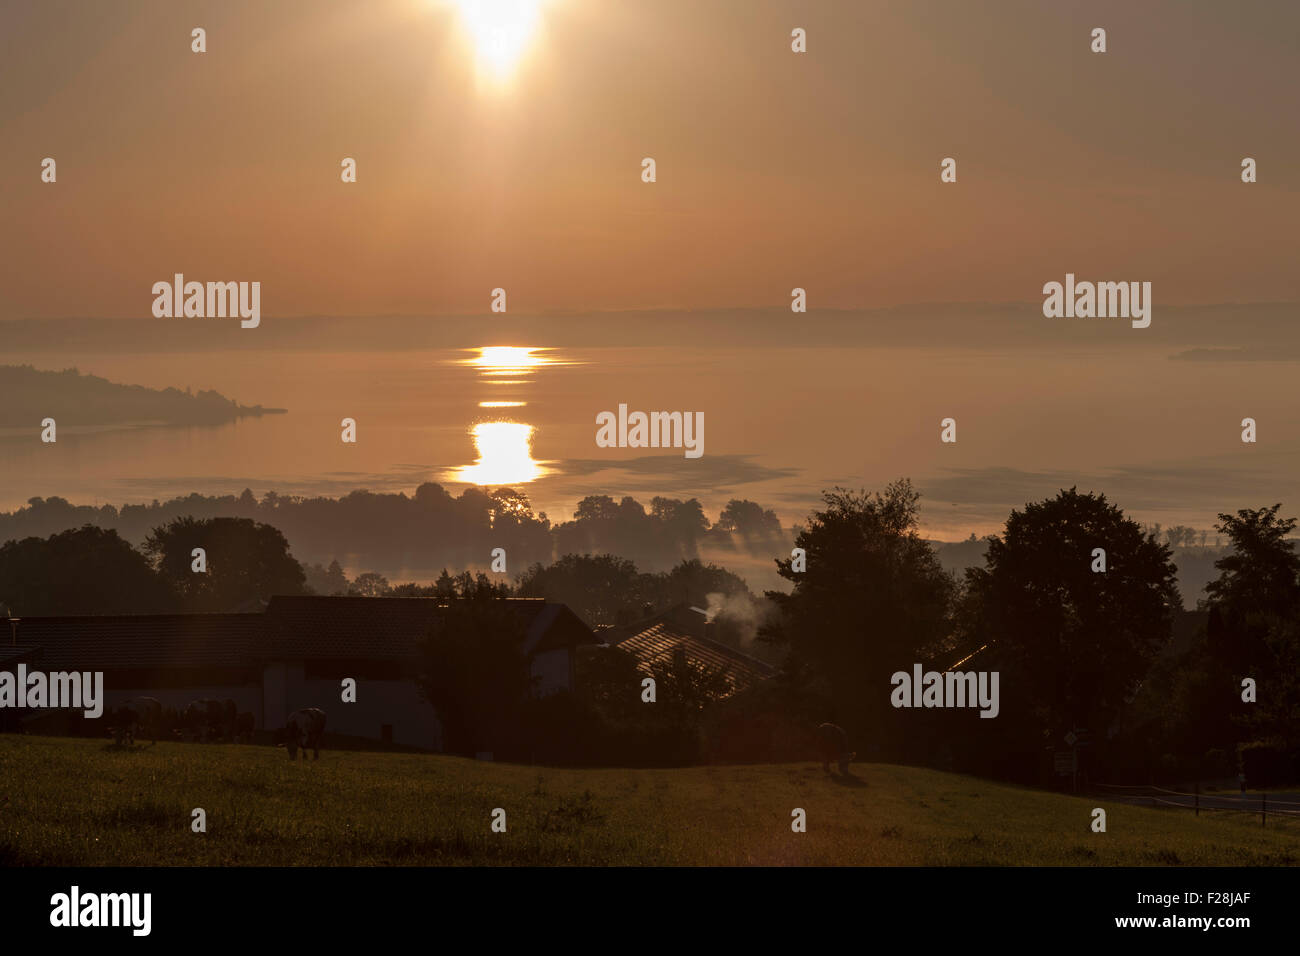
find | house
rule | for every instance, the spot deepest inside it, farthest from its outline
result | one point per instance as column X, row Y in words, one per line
column 315, row 642
column 686, row 634
column 294, row 654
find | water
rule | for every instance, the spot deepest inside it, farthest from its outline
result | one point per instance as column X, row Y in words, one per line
column 1160, row 437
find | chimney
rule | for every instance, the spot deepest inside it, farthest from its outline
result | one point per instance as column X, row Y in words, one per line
column 647, row 609
column 694, row 620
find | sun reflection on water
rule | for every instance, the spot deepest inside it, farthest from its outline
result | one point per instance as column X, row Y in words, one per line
column 505, row 455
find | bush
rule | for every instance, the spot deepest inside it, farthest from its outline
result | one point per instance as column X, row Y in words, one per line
column 1267, row 763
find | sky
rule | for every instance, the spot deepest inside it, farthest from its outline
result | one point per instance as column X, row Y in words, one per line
column 774, row 170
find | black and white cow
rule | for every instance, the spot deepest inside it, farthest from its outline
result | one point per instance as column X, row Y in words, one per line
column 303, row 730
column 204, row 718
column 135, row 714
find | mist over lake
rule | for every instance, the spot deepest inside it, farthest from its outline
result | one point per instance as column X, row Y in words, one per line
column 1155, row 428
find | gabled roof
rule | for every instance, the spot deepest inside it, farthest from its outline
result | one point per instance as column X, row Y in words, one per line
column 161, row 641
column 388, row 628
column 11, row 655
column 657, row 638
column 291, row 628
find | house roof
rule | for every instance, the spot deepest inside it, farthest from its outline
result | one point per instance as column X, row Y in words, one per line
column 103, row 643
column 11, row 654
column 387, row 628
column 291, row 628
column 658, row 638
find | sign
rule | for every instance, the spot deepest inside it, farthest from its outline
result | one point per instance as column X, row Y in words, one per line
column 1071, row 739
column 1065, row 763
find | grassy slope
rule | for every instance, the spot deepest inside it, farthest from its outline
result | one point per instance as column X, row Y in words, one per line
column 68, row 801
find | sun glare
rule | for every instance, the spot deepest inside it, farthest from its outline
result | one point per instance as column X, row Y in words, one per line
column 500, row 30
column 499, row 361
column 505, row 455
column 506, row 359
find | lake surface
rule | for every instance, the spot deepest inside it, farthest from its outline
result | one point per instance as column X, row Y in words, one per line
column 1160, row 437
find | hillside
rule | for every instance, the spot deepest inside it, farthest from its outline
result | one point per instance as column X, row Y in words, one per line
column 28, row 395
column 80, row 802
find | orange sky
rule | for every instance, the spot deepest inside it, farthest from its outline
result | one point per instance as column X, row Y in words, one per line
column 774, row 169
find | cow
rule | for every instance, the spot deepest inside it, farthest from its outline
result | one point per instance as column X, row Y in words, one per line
column 833, row 746
column 303, row 730
column 229, row 719
column 135, row 714
column 203, row 718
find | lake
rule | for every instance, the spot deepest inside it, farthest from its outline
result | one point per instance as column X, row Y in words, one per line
column 1160, row 437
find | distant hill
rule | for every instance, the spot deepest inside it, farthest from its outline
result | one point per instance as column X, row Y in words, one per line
column 28, row 395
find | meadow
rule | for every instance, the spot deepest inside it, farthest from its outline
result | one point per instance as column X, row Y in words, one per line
column 67, row 801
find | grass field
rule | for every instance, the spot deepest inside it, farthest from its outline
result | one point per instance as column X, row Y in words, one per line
column 70, row 801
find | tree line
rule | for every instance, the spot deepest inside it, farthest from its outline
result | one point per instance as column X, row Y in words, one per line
column 432, row 527
column 1079, row 640
column 1077, row 608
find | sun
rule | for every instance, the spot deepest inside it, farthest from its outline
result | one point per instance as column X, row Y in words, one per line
column 500, row 30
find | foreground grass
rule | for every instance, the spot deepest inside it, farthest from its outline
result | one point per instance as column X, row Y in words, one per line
column 81, row 802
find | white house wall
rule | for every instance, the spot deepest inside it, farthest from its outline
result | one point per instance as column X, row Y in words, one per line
column 285, row 688
column 378, row 702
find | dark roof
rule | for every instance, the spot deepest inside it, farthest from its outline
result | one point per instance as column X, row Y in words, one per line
column 12, row 655
column 387, row 628
column 292, row 628
column 103, row 643
column 659, row 637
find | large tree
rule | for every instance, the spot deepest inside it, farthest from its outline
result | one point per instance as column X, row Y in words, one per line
column 599, row 588
column 1254, row 626
column 246, row 562
column 1072, row 642
column 85, row 571
column 1260, row 575
column 474, row 670
column 749, row 521
column 873, row 600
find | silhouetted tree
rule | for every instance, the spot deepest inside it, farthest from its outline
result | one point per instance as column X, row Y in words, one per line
column 1254, row 628
column 474, row 670
column 691, row 582
column 873, row 600
column 246, row 562
column 596, row 587
column 329, row 581
column 1071, row 643
column 1261, row 574
column 749, row 521
column 370, row 584
column 86, row 571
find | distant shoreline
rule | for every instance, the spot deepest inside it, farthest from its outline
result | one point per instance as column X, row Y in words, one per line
column 29, row 395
